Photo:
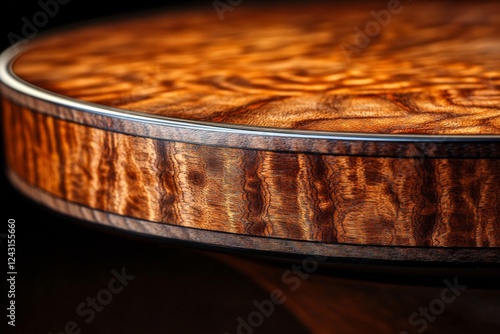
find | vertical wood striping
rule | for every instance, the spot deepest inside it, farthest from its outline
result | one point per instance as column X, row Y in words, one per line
column 326, row 198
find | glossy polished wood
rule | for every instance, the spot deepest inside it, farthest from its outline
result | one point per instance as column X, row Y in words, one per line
column 99, row 139
column 430, row 70
column 294, row 196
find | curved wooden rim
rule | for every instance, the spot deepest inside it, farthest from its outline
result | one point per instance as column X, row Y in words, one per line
column 253, row 243
column 237, row 136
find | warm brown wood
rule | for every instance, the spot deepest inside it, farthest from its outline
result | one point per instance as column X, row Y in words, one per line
column 433, row 69
column 433, row 146
column 333, row 252
column 333, row 199
column 271, row 70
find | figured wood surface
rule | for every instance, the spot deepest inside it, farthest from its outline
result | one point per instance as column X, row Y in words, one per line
column 426, row 146
column 326, row 198
column 305, row 192
column 432, row 69
column 241, row 242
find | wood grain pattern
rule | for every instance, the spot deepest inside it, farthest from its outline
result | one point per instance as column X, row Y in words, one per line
column 431, row 70
column 431, row 146
column 326, row 198
column 333, row 252
column 106, row 128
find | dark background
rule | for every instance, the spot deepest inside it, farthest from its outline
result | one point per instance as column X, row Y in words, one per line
column 176, row 289
column 61, row 262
